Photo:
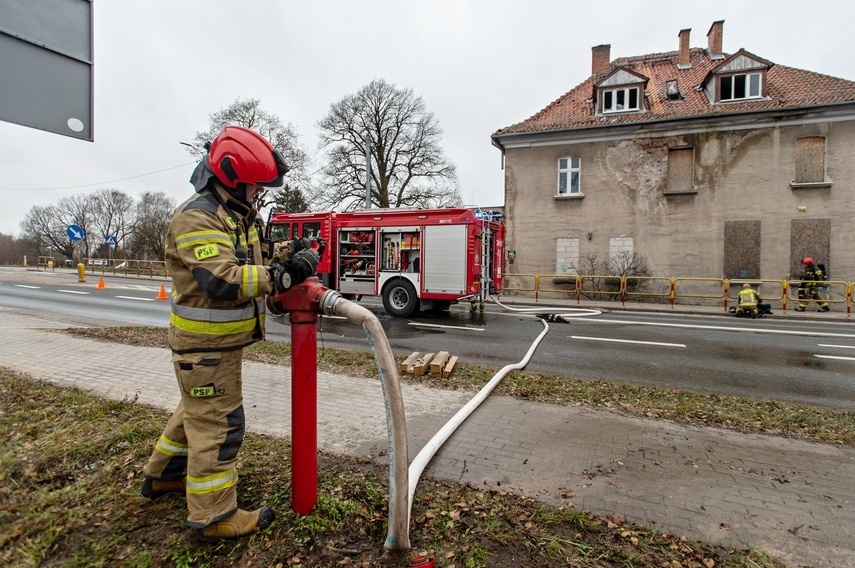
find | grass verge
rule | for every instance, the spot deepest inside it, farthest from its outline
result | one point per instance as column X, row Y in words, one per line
column 70, row 473
column 736, row 413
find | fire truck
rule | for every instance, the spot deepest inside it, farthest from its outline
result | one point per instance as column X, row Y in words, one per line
column 415, row 259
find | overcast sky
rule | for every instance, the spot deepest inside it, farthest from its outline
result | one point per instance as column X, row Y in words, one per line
column 163, row 66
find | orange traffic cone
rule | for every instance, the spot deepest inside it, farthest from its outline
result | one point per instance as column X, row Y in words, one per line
column 162, row 295
column 101, row 285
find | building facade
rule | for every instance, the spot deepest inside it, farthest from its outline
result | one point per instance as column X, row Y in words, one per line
column 703, row 163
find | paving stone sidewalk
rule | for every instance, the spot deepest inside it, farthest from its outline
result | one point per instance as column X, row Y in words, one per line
column 793, row 499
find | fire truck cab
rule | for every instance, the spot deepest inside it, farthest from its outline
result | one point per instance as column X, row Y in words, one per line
column 415, row 259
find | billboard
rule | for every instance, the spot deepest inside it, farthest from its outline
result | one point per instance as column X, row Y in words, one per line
column 46, row 65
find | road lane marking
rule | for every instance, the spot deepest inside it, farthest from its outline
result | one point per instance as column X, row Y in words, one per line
column 133, row 298
column 73, row 292
column 446, row 326
column 837, row 346
column 25, row 286
column 722, row 328
column 626, row 341
column 834, row 357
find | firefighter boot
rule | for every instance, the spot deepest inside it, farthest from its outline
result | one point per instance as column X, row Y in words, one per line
column 824, row 308
column 155, row 488
column 240, row 523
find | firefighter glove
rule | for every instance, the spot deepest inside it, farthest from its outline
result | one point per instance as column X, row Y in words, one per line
column 282, row 251
column 285, row 275
column 322, row 246
column 300, row 244
column 307, row 260
column 285, row 250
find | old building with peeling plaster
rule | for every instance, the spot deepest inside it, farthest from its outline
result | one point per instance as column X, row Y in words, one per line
column 705, row 163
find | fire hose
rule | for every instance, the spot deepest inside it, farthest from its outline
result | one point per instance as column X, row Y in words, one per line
column 303, row 303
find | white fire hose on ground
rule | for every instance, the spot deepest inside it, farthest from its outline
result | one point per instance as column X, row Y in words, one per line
column 402, row 479
column 429, row 450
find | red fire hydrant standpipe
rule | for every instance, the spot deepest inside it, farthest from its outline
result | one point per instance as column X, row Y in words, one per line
column 303, row 304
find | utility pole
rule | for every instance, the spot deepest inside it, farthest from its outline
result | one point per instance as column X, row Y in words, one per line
column 368, row 170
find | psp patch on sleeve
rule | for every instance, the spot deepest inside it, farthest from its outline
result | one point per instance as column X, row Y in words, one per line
column 206, row 251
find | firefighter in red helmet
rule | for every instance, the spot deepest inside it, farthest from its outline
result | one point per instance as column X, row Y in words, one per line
column 215, row 254
column 810, row 286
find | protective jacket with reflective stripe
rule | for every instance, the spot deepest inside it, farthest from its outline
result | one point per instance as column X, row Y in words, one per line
column 217, row 273
column 748, row 298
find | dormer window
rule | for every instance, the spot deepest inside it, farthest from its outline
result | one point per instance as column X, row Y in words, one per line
column 620, row 91
column 740, row 86
column 741, row 77
column 621, row 99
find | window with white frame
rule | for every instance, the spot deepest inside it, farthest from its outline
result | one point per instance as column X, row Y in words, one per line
column 620, row 99
column 568, row 175
column 740, row 86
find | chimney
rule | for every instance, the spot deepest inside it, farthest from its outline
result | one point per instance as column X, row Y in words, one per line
column 684, row 62
column 600, row 59
column 714, row 39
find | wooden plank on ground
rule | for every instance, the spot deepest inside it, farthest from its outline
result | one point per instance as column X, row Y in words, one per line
column 438, row 363
column 422, row 365
column 446, row 372
column 409, row 361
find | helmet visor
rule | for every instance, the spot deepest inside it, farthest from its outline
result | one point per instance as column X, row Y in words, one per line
column 282, row 168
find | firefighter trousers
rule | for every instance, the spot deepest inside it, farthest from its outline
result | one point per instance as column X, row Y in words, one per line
column 203, row 436
column 811, row 293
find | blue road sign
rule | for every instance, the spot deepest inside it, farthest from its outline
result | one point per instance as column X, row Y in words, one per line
column 75, row 233
column 109, row 239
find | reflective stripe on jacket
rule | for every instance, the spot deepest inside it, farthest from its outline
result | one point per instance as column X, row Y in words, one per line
column 217, row 275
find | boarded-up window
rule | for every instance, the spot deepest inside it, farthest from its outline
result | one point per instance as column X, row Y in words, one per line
column 680, row 170
column 810, row 159
column 566, row 255
column 809, row 237
column 742, row 249
column 620, row 246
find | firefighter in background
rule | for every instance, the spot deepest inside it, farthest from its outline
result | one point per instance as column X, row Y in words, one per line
column 214, row 253
column 809, row 288
column 749, row 300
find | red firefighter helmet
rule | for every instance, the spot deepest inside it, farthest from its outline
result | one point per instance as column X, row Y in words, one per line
column 807, row 261
column 240, row 155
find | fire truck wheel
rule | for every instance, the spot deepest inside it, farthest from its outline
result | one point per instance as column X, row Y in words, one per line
column 399, row 298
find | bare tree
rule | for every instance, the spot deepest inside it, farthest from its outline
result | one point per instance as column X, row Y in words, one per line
column 112, row 215
column 281, row 135
column 44, row 227
column 153, row 213
column 47, row 227
column 608, row 274
column 78, row 210
column 408, row 167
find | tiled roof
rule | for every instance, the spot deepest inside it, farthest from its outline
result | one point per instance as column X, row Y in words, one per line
column 785, row 87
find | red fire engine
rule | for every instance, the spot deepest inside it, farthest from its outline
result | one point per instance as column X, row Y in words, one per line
column 415, row 259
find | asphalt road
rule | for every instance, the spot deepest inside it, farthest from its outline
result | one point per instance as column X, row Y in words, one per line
column 799, row 361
